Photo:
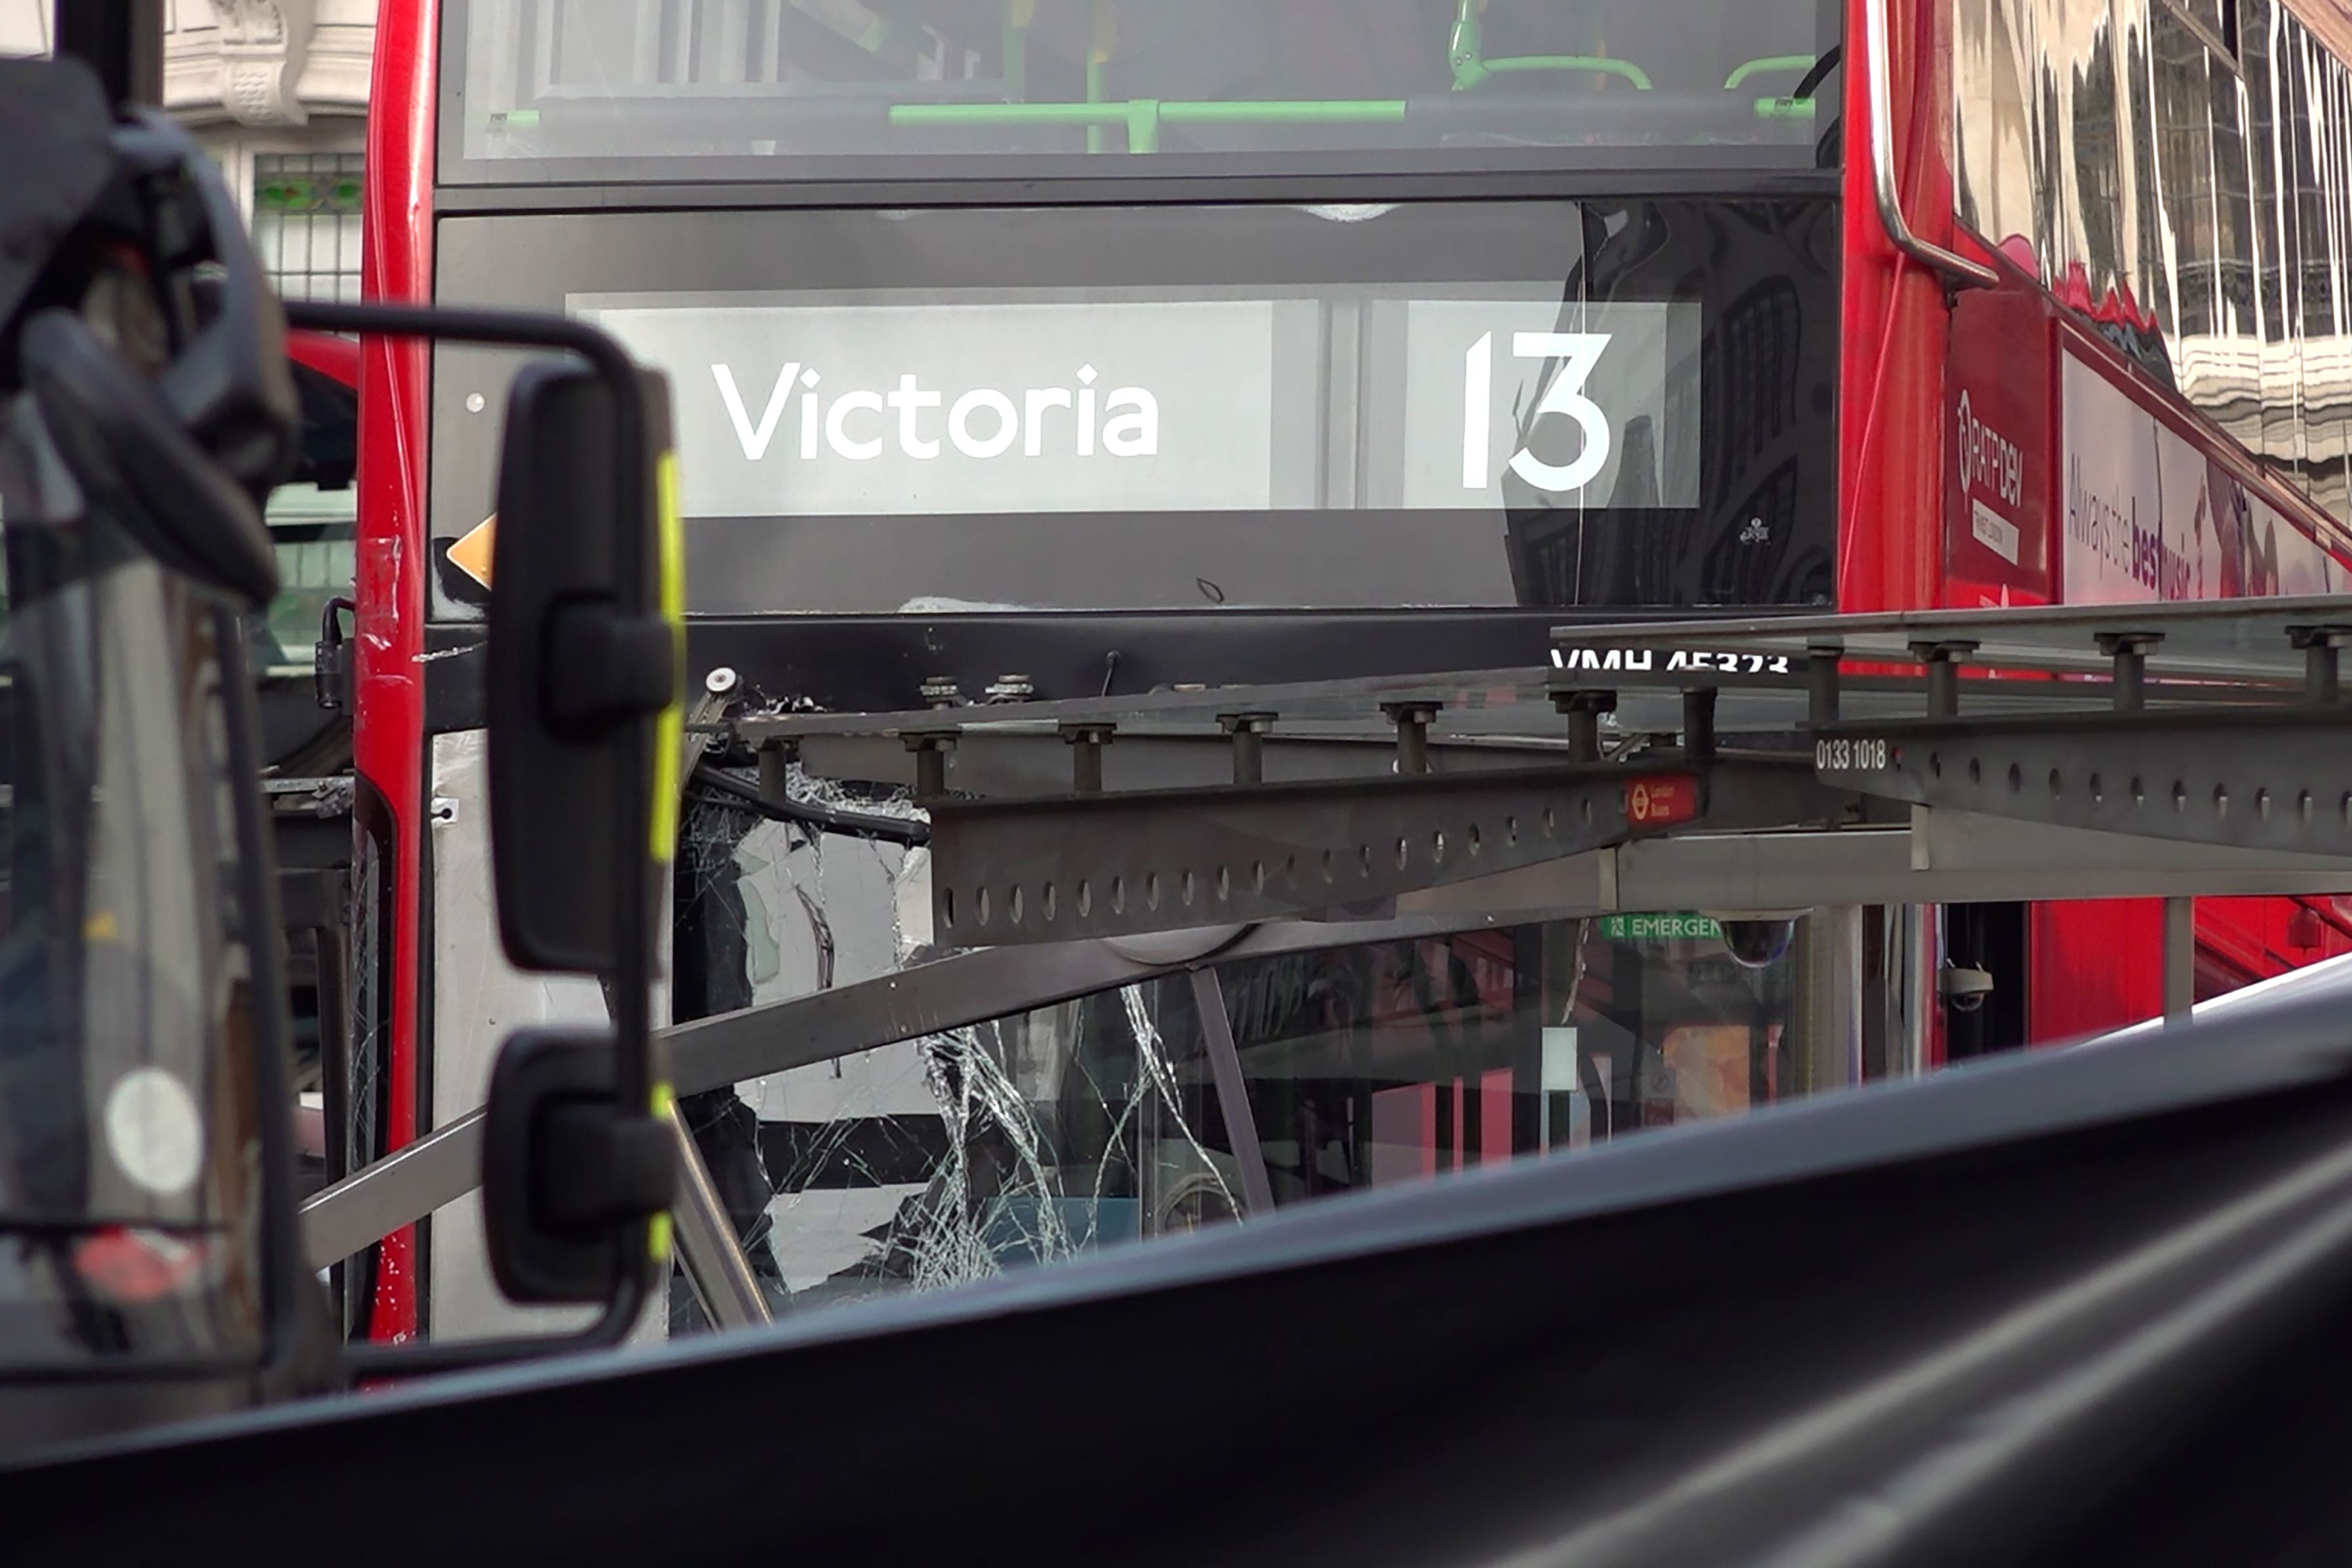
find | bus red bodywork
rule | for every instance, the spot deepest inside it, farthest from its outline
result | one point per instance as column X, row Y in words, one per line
column 2092, row 965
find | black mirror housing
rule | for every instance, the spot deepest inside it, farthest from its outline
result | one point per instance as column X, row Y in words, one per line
column 582, row 658
column 183, row 456
column 124, row 446
column 569, row 1180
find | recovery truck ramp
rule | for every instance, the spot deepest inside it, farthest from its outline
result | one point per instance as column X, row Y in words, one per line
column 1771, row 763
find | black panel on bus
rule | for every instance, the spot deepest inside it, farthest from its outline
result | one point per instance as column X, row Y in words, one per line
column 1221, row 442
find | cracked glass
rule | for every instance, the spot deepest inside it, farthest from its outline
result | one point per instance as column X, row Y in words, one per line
column 1101, row 1123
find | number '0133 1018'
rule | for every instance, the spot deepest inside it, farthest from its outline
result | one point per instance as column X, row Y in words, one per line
column 1845, row 754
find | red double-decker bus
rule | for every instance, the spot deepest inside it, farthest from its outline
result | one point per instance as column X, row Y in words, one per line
column 1066, row 346
column 2149, row 402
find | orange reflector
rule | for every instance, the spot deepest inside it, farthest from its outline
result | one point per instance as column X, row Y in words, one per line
column 471, row 554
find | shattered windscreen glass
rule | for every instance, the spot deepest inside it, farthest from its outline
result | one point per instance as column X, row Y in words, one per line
column 1100, row 1122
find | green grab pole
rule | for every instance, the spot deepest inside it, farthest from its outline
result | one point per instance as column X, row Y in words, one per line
column 1016, row 60
column 1625, row 69
column 1094, row 95
column 1276, row 112
column 1143, row 125
column 1142, row 118
column 1098, row 66
column 1089, row 114
column 1467, row 48
column 1776, row 63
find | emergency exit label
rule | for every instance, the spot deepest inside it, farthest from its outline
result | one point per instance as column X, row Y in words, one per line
column 1660, row 928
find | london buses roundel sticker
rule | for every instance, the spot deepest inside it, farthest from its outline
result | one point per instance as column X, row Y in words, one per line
column 1661, row 801
column 154, row 1131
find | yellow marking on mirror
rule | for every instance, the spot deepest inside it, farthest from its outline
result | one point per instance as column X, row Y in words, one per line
column 658, row 1230
column 669, row 730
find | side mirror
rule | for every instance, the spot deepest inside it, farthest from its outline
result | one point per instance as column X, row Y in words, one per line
column 586, row 706
column 564, row 1171
column 581, row 662
column 586, row 654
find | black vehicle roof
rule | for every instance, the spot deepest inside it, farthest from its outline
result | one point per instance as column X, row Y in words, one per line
column 1985, row 1312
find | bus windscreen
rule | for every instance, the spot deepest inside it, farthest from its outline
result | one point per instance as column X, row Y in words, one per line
column 1435, row 404
column 776, row 88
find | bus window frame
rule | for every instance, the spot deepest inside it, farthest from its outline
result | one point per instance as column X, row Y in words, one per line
column 842, row 177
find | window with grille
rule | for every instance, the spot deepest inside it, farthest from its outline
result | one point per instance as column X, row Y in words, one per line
column 306, row 230
column 306, row 223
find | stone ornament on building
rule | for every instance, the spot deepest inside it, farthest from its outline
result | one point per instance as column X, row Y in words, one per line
column 263, row 44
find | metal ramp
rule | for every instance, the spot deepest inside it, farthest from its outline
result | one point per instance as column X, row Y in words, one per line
column 2199, row 726
column 1767, row 764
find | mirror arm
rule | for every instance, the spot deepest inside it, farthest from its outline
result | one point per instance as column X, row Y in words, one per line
column 635, row 1068
column 382, row 1362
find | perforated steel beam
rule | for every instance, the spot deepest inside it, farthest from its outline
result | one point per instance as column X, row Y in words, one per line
column 1110, row 864
column 997, row 764
column 2269, row 779
column 1945, row 858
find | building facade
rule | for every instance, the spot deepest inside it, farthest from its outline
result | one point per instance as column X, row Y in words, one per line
column 277, row 91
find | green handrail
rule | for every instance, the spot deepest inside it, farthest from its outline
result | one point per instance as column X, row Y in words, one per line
column 1602, row 63
column 1281, row 111
column 1468, row 55
column 1760, row 67
column 1776, row 108
column 1143, row 117
column 1775, row 63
